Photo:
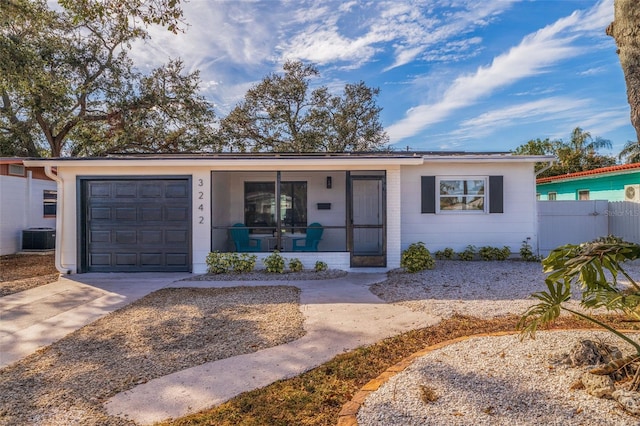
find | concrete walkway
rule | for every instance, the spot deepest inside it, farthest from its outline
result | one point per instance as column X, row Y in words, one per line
column 340, row 315
column 35, row 318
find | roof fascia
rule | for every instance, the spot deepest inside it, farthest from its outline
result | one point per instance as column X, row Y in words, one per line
column 235, row 163
column 475, row 158
column 591, row 176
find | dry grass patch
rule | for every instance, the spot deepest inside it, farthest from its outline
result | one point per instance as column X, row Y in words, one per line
column 316, row 397
column 19, row 272
column 166, row 331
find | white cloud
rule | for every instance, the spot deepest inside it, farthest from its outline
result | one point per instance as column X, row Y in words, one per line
column 535, row 54
column 594, row 71
column 601, row 122
column 356, row 32
column 549, row 108
column 421, row 35
column 327, row 45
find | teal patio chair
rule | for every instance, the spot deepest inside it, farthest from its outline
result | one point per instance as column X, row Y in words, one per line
column 240, row 236
column 310, row 242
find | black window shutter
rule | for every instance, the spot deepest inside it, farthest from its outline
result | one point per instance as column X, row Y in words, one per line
column 428, row 194
column 496, row 195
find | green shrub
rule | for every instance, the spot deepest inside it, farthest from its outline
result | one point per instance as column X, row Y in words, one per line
column 504, row 253
column 494, row 253
column 321, row 266
column 274, row 263
column 222, row 263
column 468, row 253
column 416, row 258
column 219, row 263
column 526, row 252
column 244, row 262
column 447, row 253
column 295, row 265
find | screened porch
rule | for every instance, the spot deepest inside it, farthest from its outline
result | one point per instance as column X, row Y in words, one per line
column 298, row 211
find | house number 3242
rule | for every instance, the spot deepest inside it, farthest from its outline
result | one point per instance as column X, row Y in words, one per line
column 201, row 200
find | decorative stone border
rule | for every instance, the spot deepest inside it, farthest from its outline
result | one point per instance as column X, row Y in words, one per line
column 349, row 412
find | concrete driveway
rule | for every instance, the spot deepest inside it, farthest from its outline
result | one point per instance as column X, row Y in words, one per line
column 340, row 315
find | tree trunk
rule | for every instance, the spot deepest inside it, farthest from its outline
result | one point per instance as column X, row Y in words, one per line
column 625, row 29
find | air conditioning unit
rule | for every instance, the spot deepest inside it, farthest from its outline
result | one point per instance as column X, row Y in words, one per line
column 632, row 193
column 38, row 239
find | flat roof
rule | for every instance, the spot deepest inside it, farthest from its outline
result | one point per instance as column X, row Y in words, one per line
column 377, row 155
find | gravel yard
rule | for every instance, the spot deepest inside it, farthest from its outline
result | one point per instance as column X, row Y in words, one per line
column 19, row 272
column 479, row 289
column 166, row 331
column 490, row 380
column 494, row 381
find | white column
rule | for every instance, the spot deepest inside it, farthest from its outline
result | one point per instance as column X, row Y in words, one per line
column 201, row 225
column 394, row 224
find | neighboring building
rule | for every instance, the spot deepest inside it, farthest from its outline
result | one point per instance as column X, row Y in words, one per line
column 27, row 200
column 615, row 183
column 166, row 213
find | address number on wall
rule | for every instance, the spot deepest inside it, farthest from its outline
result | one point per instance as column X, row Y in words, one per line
column 202, row 199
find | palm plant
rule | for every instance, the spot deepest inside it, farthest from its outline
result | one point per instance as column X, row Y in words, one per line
column 594, row 269
column 630, row 152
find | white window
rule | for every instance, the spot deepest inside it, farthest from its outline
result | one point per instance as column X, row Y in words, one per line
column 583, row 194
column 551, row 196
column 16, row 170
column 49, row 200
column 537, row 196
column 464, row 194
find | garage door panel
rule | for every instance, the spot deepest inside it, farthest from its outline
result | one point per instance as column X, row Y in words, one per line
column 151, row 237
column 126, row 213
column 137, row 224
column 125, row 190
column 126, row 259
column 100, row 236
column 177, row 259
column 176, row 236
column 151, row 213
column 150, row 191
column 100, row 259
column 126, row 237
column 151, row 259
column 99, row 190
column 177, row 214
column 100, row 213
column 175, row 190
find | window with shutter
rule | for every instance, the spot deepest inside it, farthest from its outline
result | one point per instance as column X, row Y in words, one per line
column 462, row 194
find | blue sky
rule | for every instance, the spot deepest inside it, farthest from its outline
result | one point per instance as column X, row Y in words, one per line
column 463, row 75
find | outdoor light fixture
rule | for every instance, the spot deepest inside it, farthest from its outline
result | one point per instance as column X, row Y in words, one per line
column 329, row 182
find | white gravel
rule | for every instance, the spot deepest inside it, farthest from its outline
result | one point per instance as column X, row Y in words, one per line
column 480, row 289
column 494, row 381
column 488, row 380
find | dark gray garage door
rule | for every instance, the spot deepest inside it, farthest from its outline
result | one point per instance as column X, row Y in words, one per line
column 136, row 225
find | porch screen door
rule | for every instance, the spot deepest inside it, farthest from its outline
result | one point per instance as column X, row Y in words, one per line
column 368, row 221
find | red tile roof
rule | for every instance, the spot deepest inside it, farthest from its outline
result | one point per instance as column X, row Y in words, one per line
column 603, row 170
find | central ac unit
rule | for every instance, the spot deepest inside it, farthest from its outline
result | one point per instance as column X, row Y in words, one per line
column 632, row 193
